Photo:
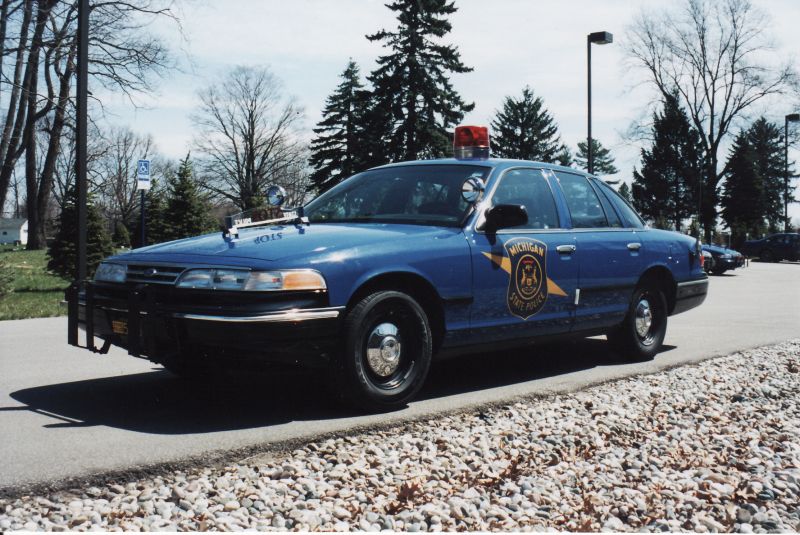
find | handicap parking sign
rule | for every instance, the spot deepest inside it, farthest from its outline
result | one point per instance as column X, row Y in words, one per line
column 143, row 174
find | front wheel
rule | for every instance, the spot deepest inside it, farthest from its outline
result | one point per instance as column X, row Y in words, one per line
column 642, row 331
column 387, row 352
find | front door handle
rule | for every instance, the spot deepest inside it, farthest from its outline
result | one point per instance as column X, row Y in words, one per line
column 565, row 249
column 634, row 246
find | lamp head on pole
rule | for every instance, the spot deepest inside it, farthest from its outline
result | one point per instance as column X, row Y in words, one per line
column 793, row 117
column 600, row 38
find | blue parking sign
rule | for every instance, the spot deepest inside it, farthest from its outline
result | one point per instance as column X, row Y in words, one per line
column 143, row 174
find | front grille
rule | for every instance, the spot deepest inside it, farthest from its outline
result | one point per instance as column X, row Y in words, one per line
column 153, row 274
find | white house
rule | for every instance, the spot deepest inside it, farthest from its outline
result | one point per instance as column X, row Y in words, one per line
column 14, row 231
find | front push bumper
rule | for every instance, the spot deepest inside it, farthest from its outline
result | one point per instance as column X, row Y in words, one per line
column 150, row 322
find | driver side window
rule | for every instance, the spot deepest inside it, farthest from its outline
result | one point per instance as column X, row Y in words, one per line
column 529, row 188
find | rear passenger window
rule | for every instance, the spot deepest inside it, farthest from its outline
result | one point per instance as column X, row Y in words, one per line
column 611, row 214
column 582, row 201
column 629, row 216
column 528, row 188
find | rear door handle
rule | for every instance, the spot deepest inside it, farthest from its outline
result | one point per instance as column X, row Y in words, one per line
column 634, row 246
column 565, row 249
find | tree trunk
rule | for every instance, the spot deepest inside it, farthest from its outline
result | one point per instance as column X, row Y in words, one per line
column 35, row 228
column 9, row 143
column 54, row 144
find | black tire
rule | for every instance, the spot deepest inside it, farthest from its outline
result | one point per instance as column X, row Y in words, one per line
column 718, row 271
column 397, row 329
column 640, row 340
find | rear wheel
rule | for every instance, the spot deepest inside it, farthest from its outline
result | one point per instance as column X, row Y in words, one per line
column 642, row 331
column 387, row 352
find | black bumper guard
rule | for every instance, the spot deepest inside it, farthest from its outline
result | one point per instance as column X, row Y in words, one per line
column 141, row 335
column 73, row 298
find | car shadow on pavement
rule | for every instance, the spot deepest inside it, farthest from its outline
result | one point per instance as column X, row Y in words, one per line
column 158, row 402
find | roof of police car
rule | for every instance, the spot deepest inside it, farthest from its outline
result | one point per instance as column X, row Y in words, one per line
column 490, row 162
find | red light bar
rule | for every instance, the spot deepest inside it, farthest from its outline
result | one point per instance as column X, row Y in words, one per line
column 471, row 142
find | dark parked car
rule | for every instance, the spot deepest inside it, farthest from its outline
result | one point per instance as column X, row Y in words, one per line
column 724, row 259
column 785, row 246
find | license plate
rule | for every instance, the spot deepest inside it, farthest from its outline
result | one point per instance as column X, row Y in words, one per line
column 119, row 326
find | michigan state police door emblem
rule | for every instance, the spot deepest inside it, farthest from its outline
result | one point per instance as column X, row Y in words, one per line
column 527, row 285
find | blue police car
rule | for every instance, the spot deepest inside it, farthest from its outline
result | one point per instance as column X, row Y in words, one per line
column 399, row 265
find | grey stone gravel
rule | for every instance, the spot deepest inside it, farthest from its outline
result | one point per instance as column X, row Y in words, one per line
column 707, row 448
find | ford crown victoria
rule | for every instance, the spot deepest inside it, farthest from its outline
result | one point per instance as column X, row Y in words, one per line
column 399, row 265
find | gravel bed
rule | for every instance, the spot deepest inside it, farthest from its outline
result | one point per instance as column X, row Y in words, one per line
column 707, row 448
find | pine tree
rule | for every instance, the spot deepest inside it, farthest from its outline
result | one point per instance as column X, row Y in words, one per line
column 525, row 130
column 155, row 212
column 766, row 139
column 414, row 104
column 743, row 198
column 121, row 236
column 601, row 156
column 337, row 151
column 625, row 192
column 62, row 253
column 187, row 211
column 671, row 169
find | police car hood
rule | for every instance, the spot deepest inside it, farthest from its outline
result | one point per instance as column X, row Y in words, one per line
column 281, row 242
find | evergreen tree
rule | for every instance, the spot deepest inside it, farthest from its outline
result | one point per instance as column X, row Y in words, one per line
column 766, row 139
column 625, row 192
column 671, row 169
column 337, row 151
column 188, row 211
column 62, row 253
column 601, row 156
column 121, row 236
column 414, row 104
column 155, row 216
column 525, row 130
column 743, row 198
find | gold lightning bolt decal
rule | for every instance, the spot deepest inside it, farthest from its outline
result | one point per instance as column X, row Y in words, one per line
column 505, row 264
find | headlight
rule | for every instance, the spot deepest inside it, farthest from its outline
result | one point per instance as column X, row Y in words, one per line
column 301, row 279
column 108, row 272
column 726, row 256
column 257, row 281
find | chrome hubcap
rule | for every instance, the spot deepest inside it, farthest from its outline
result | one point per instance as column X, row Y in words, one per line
column 644, row 319
column 384, row 349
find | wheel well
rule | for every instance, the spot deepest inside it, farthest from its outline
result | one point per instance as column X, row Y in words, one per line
column 662, row 277
column 417, row 287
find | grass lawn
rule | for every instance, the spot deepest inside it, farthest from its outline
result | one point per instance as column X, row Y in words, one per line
column 37, row 293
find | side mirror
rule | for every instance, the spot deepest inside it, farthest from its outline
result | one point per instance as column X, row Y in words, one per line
column 276, row 195
column 472, row 189
column 505, row 216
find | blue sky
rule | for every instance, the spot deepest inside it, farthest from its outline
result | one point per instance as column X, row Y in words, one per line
column 509, row 43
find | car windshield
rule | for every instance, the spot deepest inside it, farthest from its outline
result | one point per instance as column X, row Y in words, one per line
column 410, row 194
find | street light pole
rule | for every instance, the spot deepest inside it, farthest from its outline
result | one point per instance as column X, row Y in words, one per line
column 792, row 117
column 80, row 133
column 600, row 38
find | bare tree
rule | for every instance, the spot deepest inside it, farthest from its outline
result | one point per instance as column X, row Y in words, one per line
column 715, row 54
column 248, row 136
column 124, row 55
column 114, row 173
